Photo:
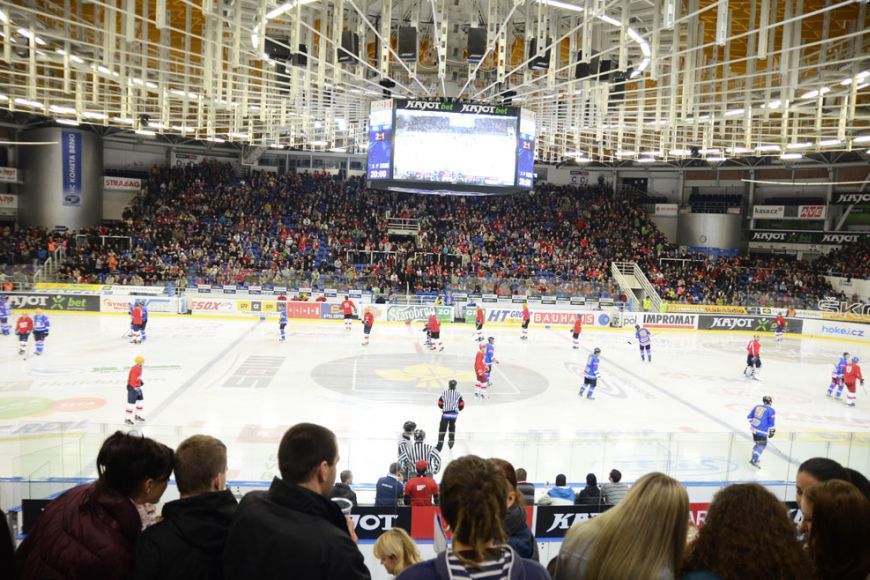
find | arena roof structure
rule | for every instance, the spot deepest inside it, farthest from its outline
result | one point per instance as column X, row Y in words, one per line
column 609, row 80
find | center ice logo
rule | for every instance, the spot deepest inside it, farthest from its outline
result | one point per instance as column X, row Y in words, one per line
column 426, row 376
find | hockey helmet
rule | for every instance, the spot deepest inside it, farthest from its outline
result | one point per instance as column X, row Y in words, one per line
column 637, row 326
column 419, row 435
column 767, row 399
column 845, row 355
column 139, row 360
column 856, row 360
column 422, row 466
column 491, row 339
column 596, row 351
column 452, row 383
column 482, row 346
column 409, row 426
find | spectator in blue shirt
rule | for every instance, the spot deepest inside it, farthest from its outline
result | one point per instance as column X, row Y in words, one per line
column 389, row 489
column 559, row 495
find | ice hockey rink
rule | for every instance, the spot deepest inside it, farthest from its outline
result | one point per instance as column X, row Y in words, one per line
column 684, row 413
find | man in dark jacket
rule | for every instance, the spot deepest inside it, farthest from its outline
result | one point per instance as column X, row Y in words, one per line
column 390, row 489
column 589, row 495
column 188, row 543
column 294, row 530
column 524, row 487
column 342, row 488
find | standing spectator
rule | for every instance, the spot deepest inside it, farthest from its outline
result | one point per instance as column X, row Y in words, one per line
column 473, row 503
column 837, row 520
column 559, row 495
column 188, row 542
column 421, row 490
column 746, row 535
column 293, row 529
column 642, row 537
column 450, row 402
column 389, row 489
column 589, row 495
column 516, row 528
column 525, row 488
column 614, row 490
column 396, row 551
column 342, row 488
column 90, row 531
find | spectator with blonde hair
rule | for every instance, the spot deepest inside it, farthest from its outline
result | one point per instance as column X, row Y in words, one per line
column 643, row 536
column 746, row 535
column 837, row 520
column 396, row 551
column 473, row 503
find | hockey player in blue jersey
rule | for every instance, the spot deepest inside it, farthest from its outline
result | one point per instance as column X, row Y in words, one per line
column 40, row 330
column 644, row 338
column 282, row 321
column 144, row 305
column 5, row 314
column 591, row 374
column 489, row 358
column 837, row 376
column 762, row 420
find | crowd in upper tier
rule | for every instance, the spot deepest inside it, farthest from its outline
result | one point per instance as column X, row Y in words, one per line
column 203, row 224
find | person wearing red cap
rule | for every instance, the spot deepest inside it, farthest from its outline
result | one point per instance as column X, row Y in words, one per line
column 421, row 490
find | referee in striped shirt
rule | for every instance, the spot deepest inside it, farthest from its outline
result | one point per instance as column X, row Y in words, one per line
column 450, row 402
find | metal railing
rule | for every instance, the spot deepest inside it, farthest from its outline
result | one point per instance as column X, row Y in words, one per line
column 648, row 288
column 52, row 264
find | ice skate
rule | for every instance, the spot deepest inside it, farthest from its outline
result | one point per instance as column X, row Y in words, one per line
column 755, row 464
column 128, row 422
column 140, row 418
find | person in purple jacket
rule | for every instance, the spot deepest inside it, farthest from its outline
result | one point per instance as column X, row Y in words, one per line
column 473, row 503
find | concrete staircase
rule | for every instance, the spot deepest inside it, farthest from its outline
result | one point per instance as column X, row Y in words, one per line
column 635, row 285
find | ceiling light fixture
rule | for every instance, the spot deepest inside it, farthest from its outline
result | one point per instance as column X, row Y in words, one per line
column 145, row 132
column 790, row 156
column 803, row 145
column 768, row 148
column 68, row 122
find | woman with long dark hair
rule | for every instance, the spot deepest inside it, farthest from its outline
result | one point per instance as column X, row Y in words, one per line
column 837, row 520
column 90, row 531
column 747, row 535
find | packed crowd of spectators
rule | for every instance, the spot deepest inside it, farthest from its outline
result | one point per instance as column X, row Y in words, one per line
column 109, row 529
column 202, row 224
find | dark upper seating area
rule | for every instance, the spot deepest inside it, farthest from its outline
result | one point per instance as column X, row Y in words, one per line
column 792, row 200
column 713, row 203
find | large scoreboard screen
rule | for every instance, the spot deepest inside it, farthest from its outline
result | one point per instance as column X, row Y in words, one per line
column 450, row 147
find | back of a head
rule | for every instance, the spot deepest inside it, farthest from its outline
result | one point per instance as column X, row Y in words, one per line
column 397, row 543
column 732, row 542
column 125, row 460
column 840, row 530
column 198, row 460
column 304, row 447
column 511, row 476
column 591, row 480
column 857, row 479
column 642, row 534
column 521, row 474
column 346, row 476
column 474, row 500
column 823, row 469
column 615, row 475
column 394, row 468
column 561, row 480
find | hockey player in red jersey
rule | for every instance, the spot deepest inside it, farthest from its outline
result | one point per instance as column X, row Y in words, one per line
column 526, row 318
column 779, row 327
column 434, row 326
column 753, row 359
column 134, row 392
column 137, row 319
column 349, row 309
column 23, row 328
column 368, row 320
column 851, row 375
column 478, row 324
column 575, row 332
column 481, row 371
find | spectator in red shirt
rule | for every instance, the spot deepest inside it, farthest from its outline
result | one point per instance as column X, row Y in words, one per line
column 421, row 490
